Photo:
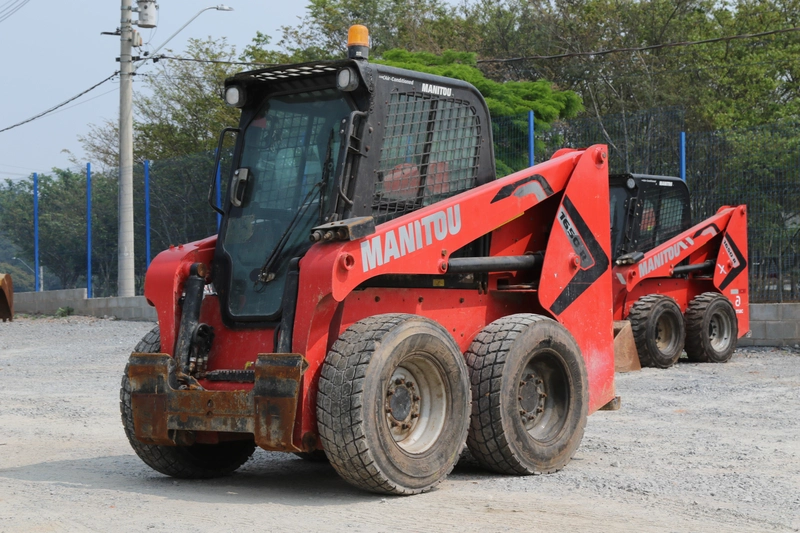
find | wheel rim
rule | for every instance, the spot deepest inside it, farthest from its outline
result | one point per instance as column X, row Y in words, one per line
column 416, row 403
column 543, row 396
column 666, row 333
column 720, row 331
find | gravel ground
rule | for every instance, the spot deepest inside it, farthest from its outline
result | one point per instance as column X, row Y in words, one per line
column 694, row 448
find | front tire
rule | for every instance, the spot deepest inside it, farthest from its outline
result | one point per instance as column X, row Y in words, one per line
column 393, row 404
column 658, row 330
column 711, row 329
column 529, row 395
column 198, row 461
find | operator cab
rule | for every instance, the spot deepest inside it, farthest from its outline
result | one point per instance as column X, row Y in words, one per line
column 646, row 211
column 330, row 141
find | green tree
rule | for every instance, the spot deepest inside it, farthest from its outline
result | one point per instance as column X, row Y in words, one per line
column 732, row 83
column 62, row 224
column 181, row 109
column 21, row 276
column 415, row 25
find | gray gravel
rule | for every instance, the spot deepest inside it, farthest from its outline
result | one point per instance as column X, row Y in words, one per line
column 698, row 447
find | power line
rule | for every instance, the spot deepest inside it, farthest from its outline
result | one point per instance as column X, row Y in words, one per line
column 158, row 58
column 643, row 48
column 15, row 166
column 556, row 56
column 7, row 12
column 86, row 101
column 62, row 104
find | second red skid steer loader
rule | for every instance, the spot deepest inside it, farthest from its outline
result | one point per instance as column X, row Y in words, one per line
column 375, row 294
column 681, row 287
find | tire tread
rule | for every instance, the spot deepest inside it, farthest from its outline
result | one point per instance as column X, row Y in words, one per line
column 695, row 314
column 176, row 461
column 486, row 358
column 639, row 318
column 340, row 412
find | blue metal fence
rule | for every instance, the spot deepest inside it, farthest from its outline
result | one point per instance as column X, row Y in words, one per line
column 759, row 167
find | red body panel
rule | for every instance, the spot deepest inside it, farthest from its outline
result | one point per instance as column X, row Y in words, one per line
column 575, row 283
column 560, row 206
column 163, row 285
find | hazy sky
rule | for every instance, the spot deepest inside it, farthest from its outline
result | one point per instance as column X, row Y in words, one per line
column 53, row 50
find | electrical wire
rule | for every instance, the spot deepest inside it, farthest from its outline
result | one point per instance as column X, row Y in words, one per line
column 4, row 14
column 643, row 48
column 159, row 58
column 556, row 56
column 62, row 104
column 5, row 8
column 85, row 101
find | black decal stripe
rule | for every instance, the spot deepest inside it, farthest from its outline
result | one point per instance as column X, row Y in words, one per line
column 701, row 230
column 584, row 278
column 508, row 190
column 736, row 271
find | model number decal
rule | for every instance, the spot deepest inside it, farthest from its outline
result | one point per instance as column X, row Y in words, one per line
column 574, row 239
column 414, row 236
column 727, row 246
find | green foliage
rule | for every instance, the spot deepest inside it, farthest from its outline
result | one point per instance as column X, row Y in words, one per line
column 63, row 312
column 758, row 167
column 735, row 83
column 726, row 84
column 20, row 275
column 182, row 110
column 416, row 25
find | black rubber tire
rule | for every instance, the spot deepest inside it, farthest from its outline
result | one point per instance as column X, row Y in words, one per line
column 199, row 461
column 658, row 330
column 515, row 363
column 712, row 329
column 360, row 386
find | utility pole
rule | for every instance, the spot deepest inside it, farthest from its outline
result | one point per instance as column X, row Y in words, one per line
column 147, row 19
column 125, row 272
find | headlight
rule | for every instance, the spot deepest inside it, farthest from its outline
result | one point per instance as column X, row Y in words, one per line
column 347, row 80
column 235, row 96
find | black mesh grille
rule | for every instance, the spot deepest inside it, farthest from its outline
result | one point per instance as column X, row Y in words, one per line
column 430, row 151
column 662, row 216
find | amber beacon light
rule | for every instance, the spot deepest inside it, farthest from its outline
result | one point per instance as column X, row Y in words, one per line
column 358, row 42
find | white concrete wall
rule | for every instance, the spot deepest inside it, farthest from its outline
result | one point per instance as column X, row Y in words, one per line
column 770, row 324
column 773, row 325
column 48, row 302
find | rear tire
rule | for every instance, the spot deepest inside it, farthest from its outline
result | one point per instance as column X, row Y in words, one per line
column 199, row 461
column 529, row 395
column 658, row 330
column 711, row 329
column 393, row 404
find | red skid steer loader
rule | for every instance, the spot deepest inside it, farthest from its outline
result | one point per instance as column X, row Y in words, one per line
column 681, row 287
column 375, row 295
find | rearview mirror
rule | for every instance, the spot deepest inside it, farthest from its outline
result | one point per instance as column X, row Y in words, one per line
column 216, row 186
